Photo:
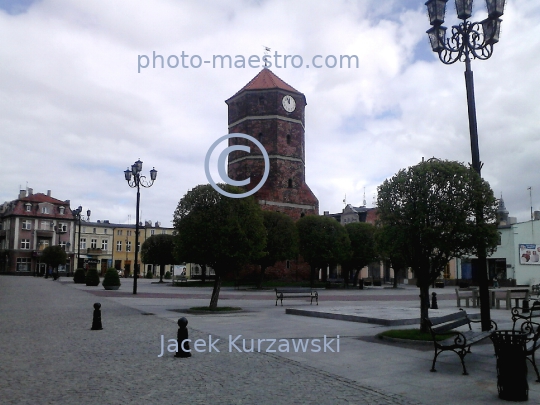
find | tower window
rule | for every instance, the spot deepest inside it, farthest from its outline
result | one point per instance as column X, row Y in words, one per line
column 260, row 136
column 289, row 183
column 288, row 139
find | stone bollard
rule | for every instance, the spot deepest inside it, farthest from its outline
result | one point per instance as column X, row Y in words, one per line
column 96, row 321
column 183, row 348
column 434, row 301
column 525, row 309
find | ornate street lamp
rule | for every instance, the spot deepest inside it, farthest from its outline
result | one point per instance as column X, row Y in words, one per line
column 79, row 217
column 468, row 40
column 138, row 180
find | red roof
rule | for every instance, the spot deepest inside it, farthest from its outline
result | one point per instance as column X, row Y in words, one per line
column 40, row 197
column 266, row 80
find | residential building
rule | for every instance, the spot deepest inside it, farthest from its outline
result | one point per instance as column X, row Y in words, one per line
column 28, row 225
column 96, row 245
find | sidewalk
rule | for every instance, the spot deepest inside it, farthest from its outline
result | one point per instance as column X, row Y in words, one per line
column 49, row 355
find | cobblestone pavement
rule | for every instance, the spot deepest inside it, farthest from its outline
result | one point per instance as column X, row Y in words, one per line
column 49, row 355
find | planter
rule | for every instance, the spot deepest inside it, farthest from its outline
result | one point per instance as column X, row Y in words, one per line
column 111, row 287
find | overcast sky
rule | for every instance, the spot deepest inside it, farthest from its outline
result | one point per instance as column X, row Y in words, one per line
column 75, row 112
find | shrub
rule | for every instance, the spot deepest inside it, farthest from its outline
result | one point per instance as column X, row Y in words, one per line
column 148, row 274
column 92, row 277
column 78, row 277
column 111, row 278
column 167, row 275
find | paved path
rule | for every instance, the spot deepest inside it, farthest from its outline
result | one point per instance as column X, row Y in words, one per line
column 49, row 355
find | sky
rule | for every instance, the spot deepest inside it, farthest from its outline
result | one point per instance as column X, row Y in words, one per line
column 76, row 110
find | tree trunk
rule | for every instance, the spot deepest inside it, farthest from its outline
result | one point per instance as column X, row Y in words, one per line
column 355, row 279
column 324, row 274
column 396, row 274
column 203, row 269
column 215, row 292
column 161, row 271
column 312, row 276
column 261, row 277
column 424, row 306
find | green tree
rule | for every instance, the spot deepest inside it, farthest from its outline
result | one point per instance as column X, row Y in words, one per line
column 322, row 242
column 54, row 256
column 219, row 231
column 362, row 237
column 431, row 209
column 159, row 249
column 281, row 240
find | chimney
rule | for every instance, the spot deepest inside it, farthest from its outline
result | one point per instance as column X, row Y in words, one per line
column 30, row 191
column 48, row 193
column 22, row 194
column 106, row 221
column 536, row 215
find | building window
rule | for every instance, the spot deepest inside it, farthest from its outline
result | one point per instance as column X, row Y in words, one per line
column 25, row 243
column 43, row 243
column 119, row 232
column 104, row 244
column 83, row 243
column 289, row 185
column 63, row 244
column 261, row 136
column 61, row 210
column 93, row 243
column 94, row 230
column 44, row 210
column 62, row 227
column 27, row 224
column 23, row 264
column 28, row 207
column 119, row 246
column 152, row 231
column 163, row 232
column 288, row 139
column 105, row 230
column 128, row 233
column 83, row 229
column 128, row 246
column 45, row 225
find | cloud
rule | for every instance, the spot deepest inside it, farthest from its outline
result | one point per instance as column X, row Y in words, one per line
column 74, row 111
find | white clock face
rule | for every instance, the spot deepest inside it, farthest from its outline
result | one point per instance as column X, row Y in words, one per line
column 288, row 103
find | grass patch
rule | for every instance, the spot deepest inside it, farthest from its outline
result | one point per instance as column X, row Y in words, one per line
column 414, row 334
column 218, row 309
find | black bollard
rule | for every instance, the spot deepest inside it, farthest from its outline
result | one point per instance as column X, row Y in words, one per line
column 181, row 336
column 526, row 308
column 96, row 321
column 434, row 301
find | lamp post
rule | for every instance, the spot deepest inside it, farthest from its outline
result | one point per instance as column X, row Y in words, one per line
column 469, row 40
column 77, row 213
column 138, row 180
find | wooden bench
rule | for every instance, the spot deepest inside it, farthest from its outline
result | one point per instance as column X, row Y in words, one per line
column 460, row 343
column 467, row 294
column 179, row 279
column 368, row 281
column 532, row 343
column 532, row 315
column 509, row 295
column 298, row 292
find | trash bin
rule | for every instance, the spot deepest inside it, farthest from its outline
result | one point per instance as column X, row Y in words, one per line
column 511, row 364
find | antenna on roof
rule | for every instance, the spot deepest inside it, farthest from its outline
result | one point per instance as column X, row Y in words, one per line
column 345, row 200
column 266, row 55
column 364, row 201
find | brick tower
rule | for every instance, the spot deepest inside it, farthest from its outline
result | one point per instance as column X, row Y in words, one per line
column 271, row 111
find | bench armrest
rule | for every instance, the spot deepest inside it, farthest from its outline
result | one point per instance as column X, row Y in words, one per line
column 493, row 325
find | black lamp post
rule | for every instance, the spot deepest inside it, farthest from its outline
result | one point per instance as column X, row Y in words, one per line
column 77, row 213
column 138, row 180
column 468, row 40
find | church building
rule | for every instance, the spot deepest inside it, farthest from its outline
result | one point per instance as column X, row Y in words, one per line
column 272, row 112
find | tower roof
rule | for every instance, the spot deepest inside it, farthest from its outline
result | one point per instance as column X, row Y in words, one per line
column 266, row 79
